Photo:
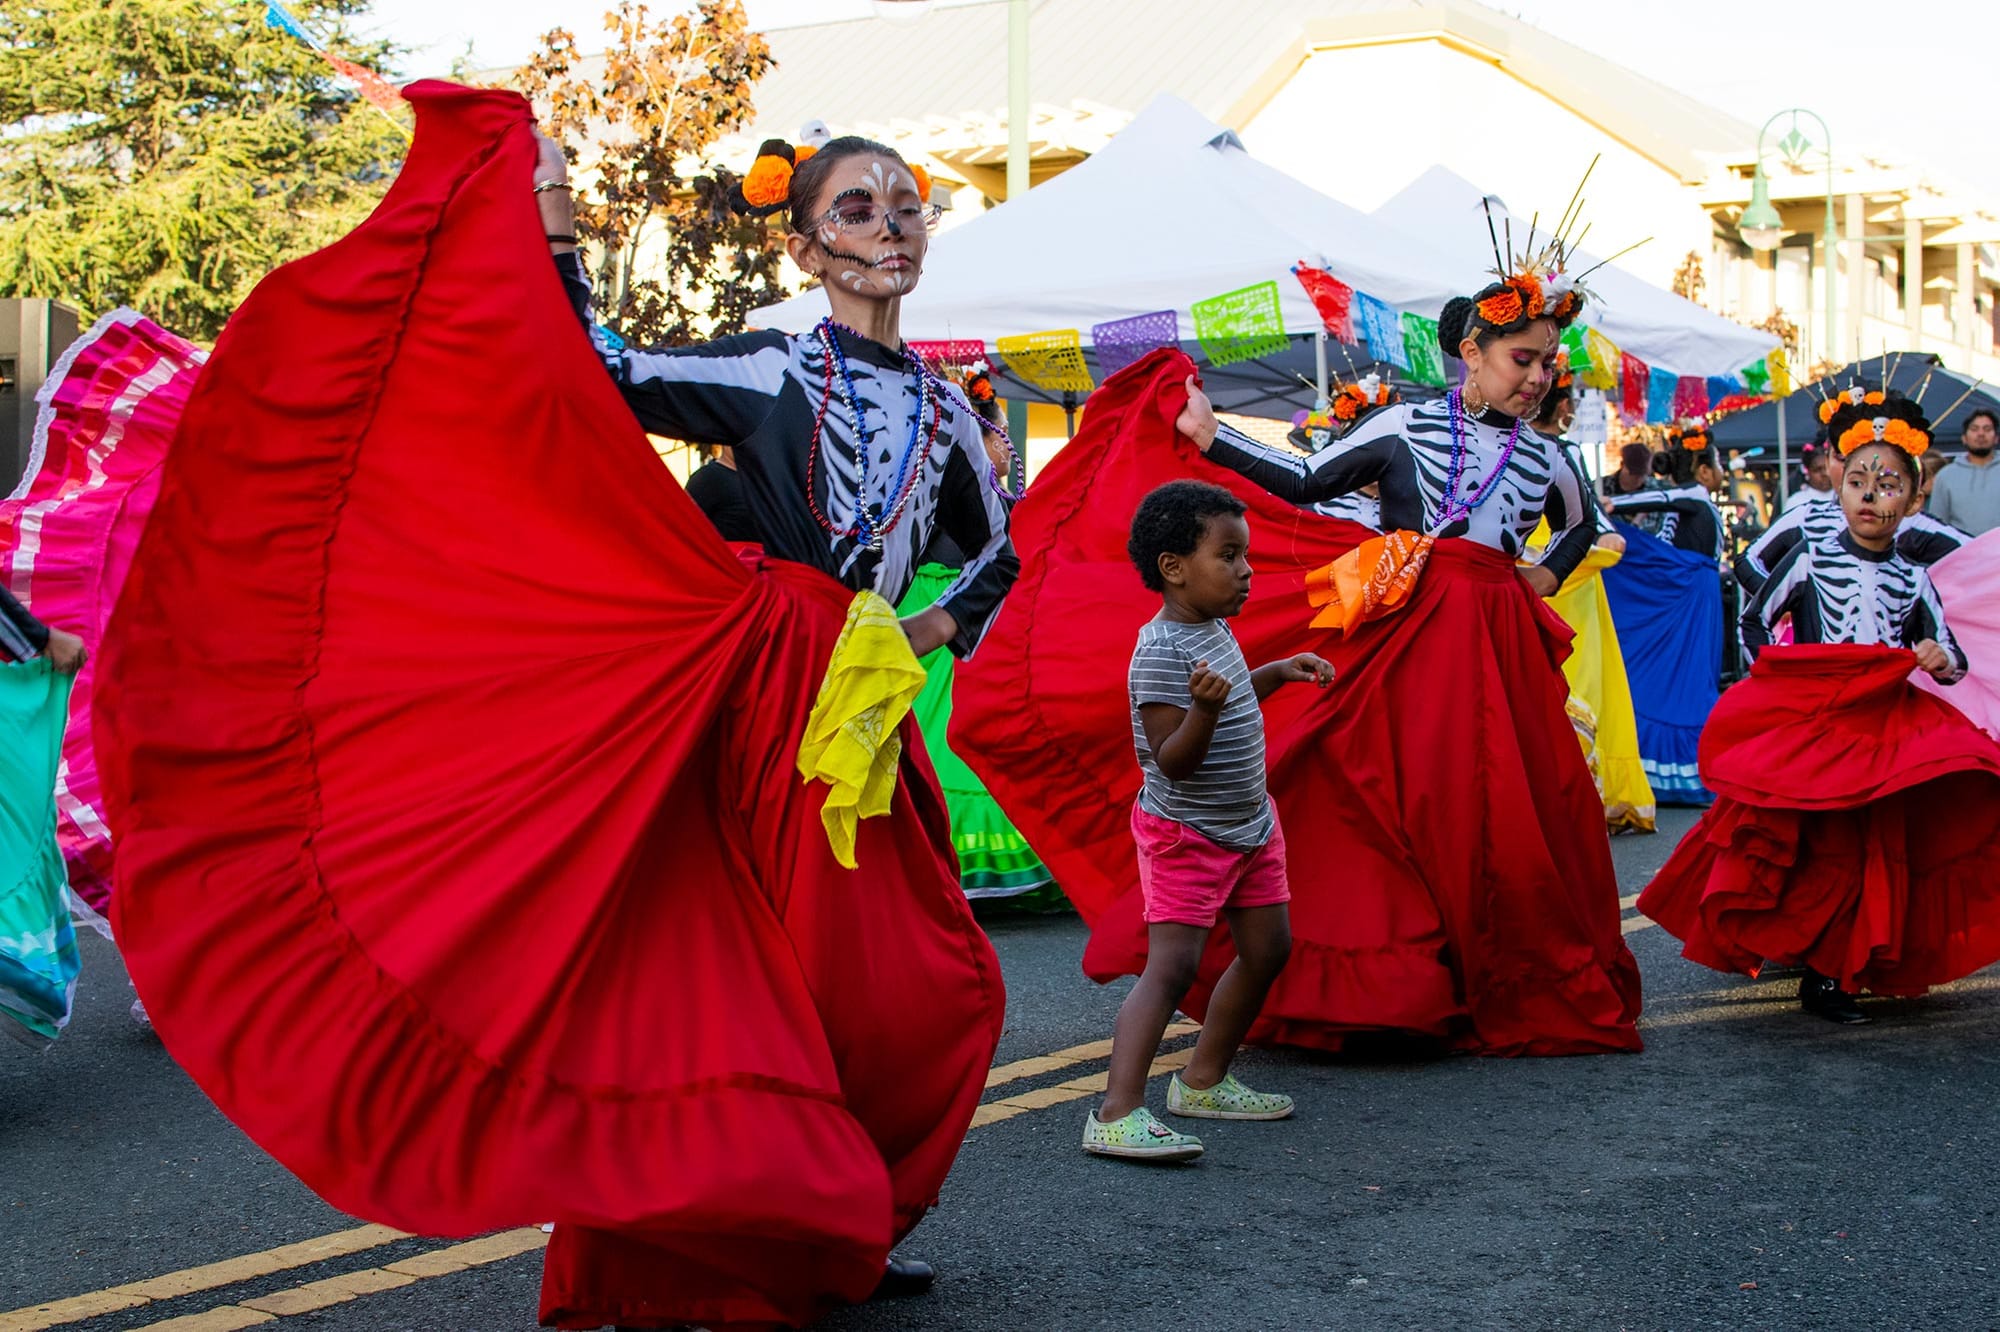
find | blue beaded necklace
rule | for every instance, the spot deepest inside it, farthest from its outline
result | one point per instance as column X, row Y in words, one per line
column 872, row 523
column 1452, row 509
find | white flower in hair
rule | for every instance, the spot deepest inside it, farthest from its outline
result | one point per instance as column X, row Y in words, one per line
column 815, row 133
column 979, row 366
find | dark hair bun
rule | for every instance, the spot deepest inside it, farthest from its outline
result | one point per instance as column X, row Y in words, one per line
column 1454, row 323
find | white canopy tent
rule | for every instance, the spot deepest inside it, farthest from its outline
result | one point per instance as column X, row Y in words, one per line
column 1444, row 211
column 1171, row 211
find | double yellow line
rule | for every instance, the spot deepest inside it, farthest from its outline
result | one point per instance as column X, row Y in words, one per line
column 313, row 1295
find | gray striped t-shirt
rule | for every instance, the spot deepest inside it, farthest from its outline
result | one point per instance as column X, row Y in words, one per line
column 1224, row 800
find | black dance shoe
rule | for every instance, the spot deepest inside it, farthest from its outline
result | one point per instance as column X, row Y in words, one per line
column 1822, row 997
column 905, row 1277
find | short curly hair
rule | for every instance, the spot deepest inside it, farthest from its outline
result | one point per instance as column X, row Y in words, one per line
column 1171, row 519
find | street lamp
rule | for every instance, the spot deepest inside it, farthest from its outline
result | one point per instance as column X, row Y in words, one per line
column 1760, row 226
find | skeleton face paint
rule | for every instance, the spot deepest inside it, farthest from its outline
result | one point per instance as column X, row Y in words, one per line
column 1875, row 493
column 881, row 261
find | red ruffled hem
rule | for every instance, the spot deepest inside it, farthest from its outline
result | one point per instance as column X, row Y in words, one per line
column 1861, row 835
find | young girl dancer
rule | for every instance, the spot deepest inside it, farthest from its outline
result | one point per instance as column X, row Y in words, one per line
column 1826, row 847
column 497, row 815
column 1462, row 883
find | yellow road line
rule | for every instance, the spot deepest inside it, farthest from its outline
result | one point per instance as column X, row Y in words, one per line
column 1041, row 1098
column 314, row 1295
column 1627, row 903
column 1635, row 924
column 474, row 1253
column 1058, row 1060
column 193, row 1280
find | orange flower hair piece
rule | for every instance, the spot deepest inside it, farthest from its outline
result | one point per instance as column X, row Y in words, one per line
column 1529, row 288
column 1501, row 308
column 1694, row 441
column 923, row 179
column 801, row 153
column 1885, row 430
column 1347, row 403
column 1855, row 396
column 769, row 182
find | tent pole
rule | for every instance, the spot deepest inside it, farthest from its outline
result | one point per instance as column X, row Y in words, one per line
column 1784, row 463
column 1320, row 382
column 1069, row 412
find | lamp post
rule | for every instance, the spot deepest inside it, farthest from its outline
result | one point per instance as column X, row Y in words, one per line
column 1760, row 225
column 1762, row 229
column 1017, row 188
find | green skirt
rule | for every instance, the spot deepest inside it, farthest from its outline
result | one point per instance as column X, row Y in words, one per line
column 994, row 860
column 38, row 955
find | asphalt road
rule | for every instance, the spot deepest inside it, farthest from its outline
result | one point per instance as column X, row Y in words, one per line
column 1755, row 1168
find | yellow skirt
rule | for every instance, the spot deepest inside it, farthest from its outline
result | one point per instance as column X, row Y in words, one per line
column 1596, row 673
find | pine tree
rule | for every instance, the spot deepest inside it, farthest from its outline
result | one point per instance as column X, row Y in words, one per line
column 166, row 154
column 671, row 263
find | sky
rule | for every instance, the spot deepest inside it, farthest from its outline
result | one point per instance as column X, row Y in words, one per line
column 1914, row 82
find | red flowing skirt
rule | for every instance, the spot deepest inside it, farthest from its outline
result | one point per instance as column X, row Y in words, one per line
column 1857, row 829
column 464, row 860
column 1450, row 871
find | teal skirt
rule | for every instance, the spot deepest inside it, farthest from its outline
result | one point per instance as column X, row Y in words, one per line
column 38, row 957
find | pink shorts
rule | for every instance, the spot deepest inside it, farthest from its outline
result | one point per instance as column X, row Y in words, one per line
column 1186, row 879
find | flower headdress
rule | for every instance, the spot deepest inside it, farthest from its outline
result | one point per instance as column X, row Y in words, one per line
column 767, row 187
column 1536, row 283
column 1693, row 436
column 1862, row 416
column 1349, row 401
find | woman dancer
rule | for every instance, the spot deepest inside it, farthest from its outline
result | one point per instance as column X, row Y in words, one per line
column 1689, row 519
column 482, row 888
column 1488, row 915
column 1825, row 848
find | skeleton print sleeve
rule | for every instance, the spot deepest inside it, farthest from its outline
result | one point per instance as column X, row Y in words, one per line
column 1926, row 620
column 1342, row 467
column 1785, row 590
column 1754, row 565
column 711, row 393
column 973, row 514
column 1571, row 512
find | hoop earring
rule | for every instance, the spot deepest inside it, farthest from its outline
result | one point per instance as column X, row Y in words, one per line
column 1475, row 401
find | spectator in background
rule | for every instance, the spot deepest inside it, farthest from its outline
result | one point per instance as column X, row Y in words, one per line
column 717, row 490
column 1635, row 472
column 1966, row 493
column 22, row 636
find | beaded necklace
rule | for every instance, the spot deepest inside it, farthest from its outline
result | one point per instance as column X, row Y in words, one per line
column 871, row 524
column 1452, row 509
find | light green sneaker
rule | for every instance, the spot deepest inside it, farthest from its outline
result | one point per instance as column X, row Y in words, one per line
column 1227, row 1099
column 1138, row 1137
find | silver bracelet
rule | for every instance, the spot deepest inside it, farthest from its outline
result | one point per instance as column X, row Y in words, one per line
column 544, row 186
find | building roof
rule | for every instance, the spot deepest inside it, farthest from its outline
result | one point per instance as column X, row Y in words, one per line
column 944, row 76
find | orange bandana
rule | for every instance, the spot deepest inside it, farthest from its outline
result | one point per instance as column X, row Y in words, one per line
column 1370, row 581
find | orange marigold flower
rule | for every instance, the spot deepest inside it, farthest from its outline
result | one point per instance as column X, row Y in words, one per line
column 1529, row 287
column 1873, row 399
column 1828, row 408
column 801, row 153
column 1347, row 405
column 769, row 182
column 1907, row 438
column 1861, row 432
column 1567, row 307
column 1502, row 308
column 923, row 178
